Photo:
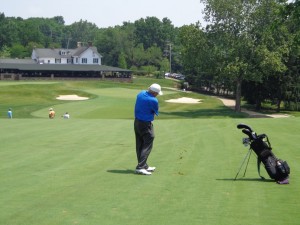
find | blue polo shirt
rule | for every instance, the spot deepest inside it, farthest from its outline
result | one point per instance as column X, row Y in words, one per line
column 146, row 106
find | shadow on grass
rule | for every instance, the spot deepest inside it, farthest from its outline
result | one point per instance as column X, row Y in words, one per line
column 126, row 171
column 204, row 113
column 245, row 179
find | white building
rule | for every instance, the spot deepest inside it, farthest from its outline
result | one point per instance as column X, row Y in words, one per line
column 86, row 55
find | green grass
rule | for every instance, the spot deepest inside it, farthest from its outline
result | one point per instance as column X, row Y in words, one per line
column 81, row 171
column 107, row 100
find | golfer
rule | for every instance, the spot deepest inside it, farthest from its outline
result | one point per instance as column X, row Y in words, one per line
column 146, row 107
column 51, row 113
column 9, row 113
column 66, row 115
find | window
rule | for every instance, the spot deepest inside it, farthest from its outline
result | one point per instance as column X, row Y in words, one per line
column 84, row 60
column 95, row 60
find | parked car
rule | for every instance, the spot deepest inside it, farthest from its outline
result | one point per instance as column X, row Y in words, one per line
column 178, row 76
column 175, row 76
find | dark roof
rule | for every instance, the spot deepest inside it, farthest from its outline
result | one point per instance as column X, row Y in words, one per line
column 79, row 51
column 18, row 61
column 31, row 65
column 47, row 53
column 55, row 52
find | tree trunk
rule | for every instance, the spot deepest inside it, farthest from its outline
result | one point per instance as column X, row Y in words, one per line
column 238, row 95
column 278, row 105
column 257, row 104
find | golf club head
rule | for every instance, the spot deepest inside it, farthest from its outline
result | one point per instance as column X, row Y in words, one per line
column 244, row 126
column 246, row 141
column 250, row 134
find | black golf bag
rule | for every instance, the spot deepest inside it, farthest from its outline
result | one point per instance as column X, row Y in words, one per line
column 277, row 169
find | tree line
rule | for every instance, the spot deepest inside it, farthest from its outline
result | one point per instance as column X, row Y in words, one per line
column 250, row 48
column 141, row 46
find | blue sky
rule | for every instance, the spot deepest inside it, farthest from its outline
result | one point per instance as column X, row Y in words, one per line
column 105, row 13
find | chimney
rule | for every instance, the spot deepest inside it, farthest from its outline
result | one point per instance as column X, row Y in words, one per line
column 79, row 44
column 90, row 44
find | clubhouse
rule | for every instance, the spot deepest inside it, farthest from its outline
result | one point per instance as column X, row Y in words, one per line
column 83, row 62
column 23, row 69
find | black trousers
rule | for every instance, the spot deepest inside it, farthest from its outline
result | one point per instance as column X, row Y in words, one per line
column 144, row 136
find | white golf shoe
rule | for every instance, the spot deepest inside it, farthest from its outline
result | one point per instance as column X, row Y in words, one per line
column 143, row 171
column 151, row 169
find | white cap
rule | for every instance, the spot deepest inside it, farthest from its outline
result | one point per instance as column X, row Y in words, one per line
column 156, row 88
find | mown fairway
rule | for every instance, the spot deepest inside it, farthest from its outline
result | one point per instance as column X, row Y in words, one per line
column 81, row 171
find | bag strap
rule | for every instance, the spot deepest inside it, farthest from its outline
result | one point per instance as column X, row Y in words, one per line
column 259, row 160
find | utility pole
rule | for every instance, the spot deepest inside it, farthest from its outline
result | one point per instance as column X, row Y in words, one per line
column 170, row 56
column 68, row 42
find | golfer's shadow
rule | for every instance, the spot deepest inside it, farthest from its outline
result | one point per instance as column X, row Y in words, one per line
column 126, row 171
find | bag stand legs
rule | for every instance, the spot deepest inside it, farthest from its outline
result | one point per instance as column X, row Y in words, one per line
column 248, row 155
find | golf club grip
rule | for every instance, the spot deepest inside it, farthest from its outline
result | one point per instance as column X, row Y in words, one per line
column 244, row 126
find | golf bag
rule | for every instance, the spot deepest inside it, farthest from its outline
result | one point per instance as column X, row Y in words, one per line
column 277, row 169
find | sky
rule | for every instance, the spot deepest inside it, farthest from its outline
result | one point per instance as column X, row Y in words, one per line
column 107, row 13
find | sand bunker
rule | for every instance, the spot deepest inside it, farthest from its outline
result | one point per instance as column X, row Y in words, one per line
column 185, row 100
column 71, row 97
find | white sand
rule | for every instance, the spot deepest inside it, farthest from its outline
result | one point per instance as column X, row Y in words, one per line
column 185, row 100
column 71, row 98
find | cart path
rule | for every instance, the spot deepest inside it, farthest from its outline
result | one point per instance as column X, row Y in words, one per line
column 231, row 104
